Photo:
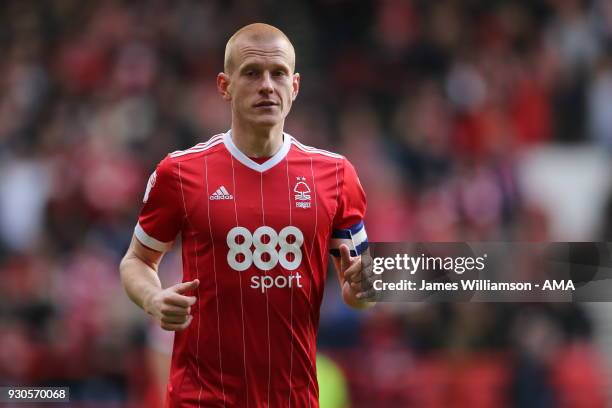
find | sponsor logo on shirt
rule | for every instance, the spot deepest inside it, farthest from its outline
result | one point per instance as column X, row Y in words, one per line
column 282, row 248
column 221, row 194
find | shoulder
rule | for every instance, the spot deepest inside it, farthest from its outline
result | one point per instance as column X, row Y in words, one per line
column 315, row 153
column 197, row 151
column 325, row 158
column 169, row 168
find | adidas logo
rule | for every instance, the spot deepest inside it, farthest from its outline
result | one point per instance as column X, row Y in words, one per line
column 221, row 194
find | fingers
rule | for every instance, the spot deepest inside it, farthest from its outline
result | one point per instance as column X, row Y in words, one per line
column 363, row 285
column 369, row 295
column 173, row 307
column 360, row 277
column 176, row 326
column 345, row 257
column 180, row 300
column 364, row 293
column 360, row 270
column 349, row 266
column 174, row 319
column 172, row 310
column 186, row 286
column 353, row 273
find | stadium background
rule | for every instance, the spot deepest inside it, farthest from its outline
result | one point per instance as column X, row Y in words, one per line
column 467, row 120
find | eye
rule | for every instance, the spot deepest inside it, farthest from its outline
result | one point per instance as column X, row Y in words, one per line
column 251, row 73
column 279, row 73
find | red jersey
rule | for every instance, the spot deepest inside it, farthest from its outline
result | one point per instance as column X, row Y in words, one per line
column 257, row 236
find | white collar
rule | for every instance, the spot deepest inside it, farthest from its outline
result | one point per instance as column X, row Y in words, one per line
column 247, row 161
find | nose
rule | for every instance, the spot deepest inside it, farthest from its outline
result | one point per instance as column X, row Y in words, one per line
column 266, row 83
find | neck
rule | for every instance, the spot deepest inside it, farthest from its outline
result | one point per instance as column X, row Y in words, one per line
column 257, row 142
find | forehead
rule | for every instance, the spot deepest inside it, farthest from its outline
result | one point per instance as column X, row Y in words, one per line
column 275, row 51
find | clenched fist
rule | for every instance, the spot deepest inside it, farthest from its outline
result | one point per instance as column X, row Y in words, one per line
column 358, row 276
column 172, row 307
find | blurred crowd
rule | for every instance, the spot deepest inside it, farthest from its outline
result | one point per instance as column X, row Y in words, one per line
column 435, row 102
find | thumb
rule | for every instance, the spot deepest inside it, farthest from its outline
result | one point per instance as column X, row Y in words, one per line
column 186, row 286
column 345, row 257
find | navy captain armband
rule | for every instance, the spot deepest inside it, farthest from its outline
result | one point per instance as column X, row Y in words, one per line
column 355, row 237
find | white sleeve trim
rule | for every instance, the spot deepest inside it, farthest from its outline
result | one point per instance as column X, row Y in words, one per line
column 147, row 240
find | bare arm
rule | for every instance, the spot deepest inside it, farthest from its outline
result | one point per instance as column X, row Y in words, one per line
column 355, row 276
column 141, row 282
column 139, row 272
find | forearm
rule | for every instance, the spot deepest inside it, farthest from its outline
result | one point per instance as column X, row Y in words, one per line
column 139, row 280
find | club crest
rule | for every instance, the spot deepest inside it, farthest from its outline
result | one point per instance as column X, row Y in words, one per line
column 302, row 193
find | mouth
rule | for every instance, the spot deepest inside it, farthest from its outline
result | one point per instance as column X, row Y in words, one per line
column 265, row 104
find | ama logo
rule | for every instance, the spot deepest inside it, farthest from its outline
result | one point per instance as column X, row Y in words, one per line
column 302, row 193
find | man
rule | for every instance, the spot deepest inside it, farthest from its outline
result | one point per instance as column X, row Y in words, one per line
column 257, row 212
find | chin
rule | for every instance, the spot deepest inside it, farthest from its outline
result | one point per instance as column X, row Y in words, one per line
column 266, row 122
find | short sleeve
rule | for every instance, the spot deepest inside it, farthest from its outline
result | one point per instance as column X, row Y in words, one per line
column 161, row 216
column 348, row 226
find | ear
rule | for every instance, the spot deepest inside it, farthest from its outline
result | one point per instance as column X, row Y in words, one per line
column 223, row 83
column 295, row 85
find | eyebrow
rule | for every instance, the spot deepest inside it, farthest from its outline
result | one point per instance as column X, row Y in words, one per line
column 275, row 66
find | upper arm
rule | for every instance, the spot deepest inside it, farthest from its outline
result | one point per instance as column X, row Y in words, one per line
column 146, row 255
column 160, row 218
column 162, row 214
column 348, row 225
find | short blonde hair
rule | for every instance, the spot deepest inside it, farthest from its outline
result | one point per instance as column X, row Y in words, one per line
column 255, row 32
